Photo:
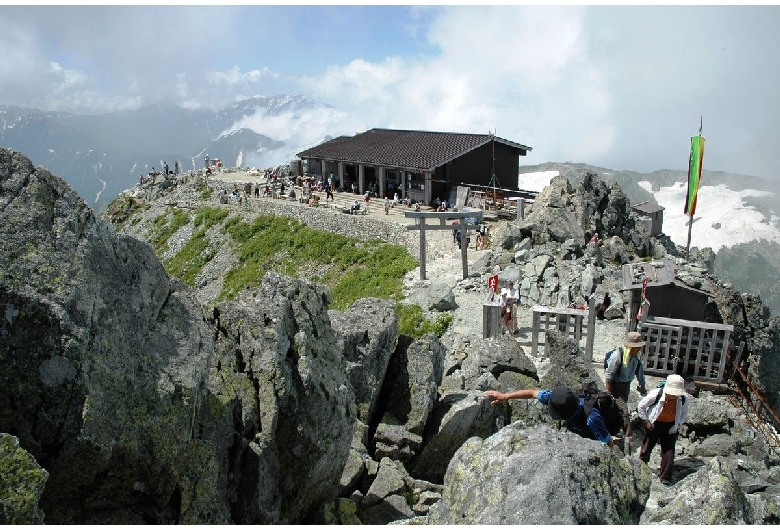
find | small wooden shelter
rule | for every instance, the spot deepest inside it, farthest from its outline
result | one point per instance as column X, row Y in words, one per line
column 653, row 213
column 669, row 296
column 674, row 323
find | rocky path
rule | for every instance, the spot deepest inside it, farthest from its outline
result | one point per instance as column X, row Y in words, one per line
column 446, row 268
column 471, row 293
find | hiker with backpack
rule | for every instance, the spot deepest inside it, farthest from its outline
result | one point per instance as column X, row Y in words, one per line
column 565, row 405
column 622, row 365
column 664, row 409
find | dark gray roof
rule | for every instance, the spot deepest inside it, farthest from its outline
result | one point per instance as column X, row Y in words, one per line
column 647, row 207
column 403, row 149
column 663, row 272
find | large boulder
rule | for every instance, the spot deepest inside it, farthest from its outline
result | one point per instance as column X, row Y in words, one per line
column 568, row 365
column 21, row 484
column 457, row 417
column 280, row 379
column 102, row 361
column 541, row 476
column 494, row 355
column 416, row 372
column 709, row 496
column 366, row 336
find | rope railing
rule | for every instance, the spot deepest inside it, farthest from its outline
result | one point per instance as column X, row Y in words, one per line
column 750, row 394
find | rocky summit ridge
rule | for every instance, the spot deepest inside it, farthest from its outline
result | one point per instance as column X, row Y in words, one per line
column 130, row 397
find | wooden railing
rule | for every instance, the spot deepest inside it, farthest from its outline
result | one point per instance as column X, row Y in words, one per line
column 577, row 324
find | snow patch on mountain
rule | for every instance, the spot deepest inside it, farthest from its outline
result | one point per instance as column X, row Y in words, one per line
column 535, row 181
column 721, row 219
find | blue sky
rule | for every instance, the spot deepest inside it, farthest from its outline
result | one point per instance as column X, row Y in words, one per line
column 621, row 87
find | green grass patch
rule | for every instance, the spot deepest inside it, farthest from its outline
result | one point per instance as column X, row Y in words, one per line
column 352, row 269
column 164, row 228
column 122, row 209
column 196, row 253
column 208, row 216
column 412, row 322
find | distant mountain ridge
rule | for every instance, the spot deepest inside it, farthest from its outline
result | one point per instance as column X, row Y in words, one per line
column 102, row 155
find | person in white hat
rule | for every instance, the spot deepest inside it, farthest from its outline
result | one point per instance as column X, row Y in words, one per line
column 664, row 409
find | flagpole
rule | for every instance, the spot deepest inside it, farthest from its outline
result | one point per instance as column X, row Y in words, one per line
column 688, row 246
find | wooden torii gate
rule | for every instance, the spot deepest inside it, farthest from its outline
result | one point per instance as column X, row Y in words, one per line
column 443, row 217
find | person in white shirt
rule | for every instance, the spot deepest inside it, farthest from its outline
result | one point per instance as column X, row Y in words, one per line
column 509, row 296
column 664, row 410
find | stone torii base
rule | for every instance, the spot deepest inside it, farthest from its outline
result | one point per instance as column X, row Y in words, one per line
column 443, row 217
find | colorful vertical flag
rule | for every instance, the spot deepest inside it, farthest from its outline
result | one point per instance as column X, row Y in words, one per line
column 694, row 173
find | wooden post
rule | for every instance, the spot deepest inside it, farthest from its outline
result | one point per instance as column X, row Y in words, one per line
column 464, row 245
column 491, row 319
column 421, row 220
column 536, row 324
column 591, row 328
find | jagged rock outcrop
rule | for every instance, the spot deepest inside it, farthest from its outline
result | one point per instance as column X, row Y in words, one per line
column 279, row 381
column 417, row 373
column 139, row 408
column 558, row 264
column 366, row 335
column 711, row 496
column 561, row 213
column 102, row 360
column 409, row 395
column 541, row 475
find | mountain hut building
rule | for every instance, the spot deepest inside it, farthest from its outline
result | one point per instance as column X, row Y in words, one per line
column 419, row 165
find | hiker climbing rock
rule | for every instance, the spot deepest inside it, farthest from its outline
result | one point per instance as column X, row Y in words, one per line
column 565, row 405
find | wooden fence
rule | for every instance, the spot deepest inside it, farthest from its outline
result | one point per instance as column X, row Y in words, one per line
column 691, row 349
column 577, row 324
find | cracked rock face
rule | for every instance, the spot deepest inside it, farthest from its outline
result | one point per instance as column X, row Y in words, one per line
column 101, row 355
column 141, row 409
column 279, row 376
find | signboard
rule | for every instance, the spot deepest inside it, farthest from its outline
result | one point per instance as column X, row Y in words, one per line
column 493, row 283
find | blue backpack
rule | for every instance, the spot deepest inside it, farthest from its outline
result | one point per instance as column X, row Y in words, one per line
column 609, row 354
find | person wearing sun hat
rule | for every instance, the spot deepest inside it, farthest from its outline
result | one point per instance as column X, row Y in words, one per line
column 623, row 365
column 664, row 409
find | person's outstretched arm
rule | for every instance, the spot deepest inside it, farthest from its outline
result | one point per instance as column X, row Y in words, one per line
column 497, row 397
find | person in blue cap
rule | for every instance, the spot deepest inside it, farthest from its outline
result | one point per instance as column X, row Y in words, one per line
column 564, row 405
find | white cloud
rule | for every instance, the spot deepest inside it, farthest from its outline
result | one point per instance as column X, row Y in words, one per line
column 67, row 79
column 522, row 72
column 613, row 86
column 234, row 77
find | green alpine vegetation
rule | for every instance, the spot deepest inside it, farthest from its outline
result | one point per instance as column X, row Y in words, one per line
column 351, row 268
